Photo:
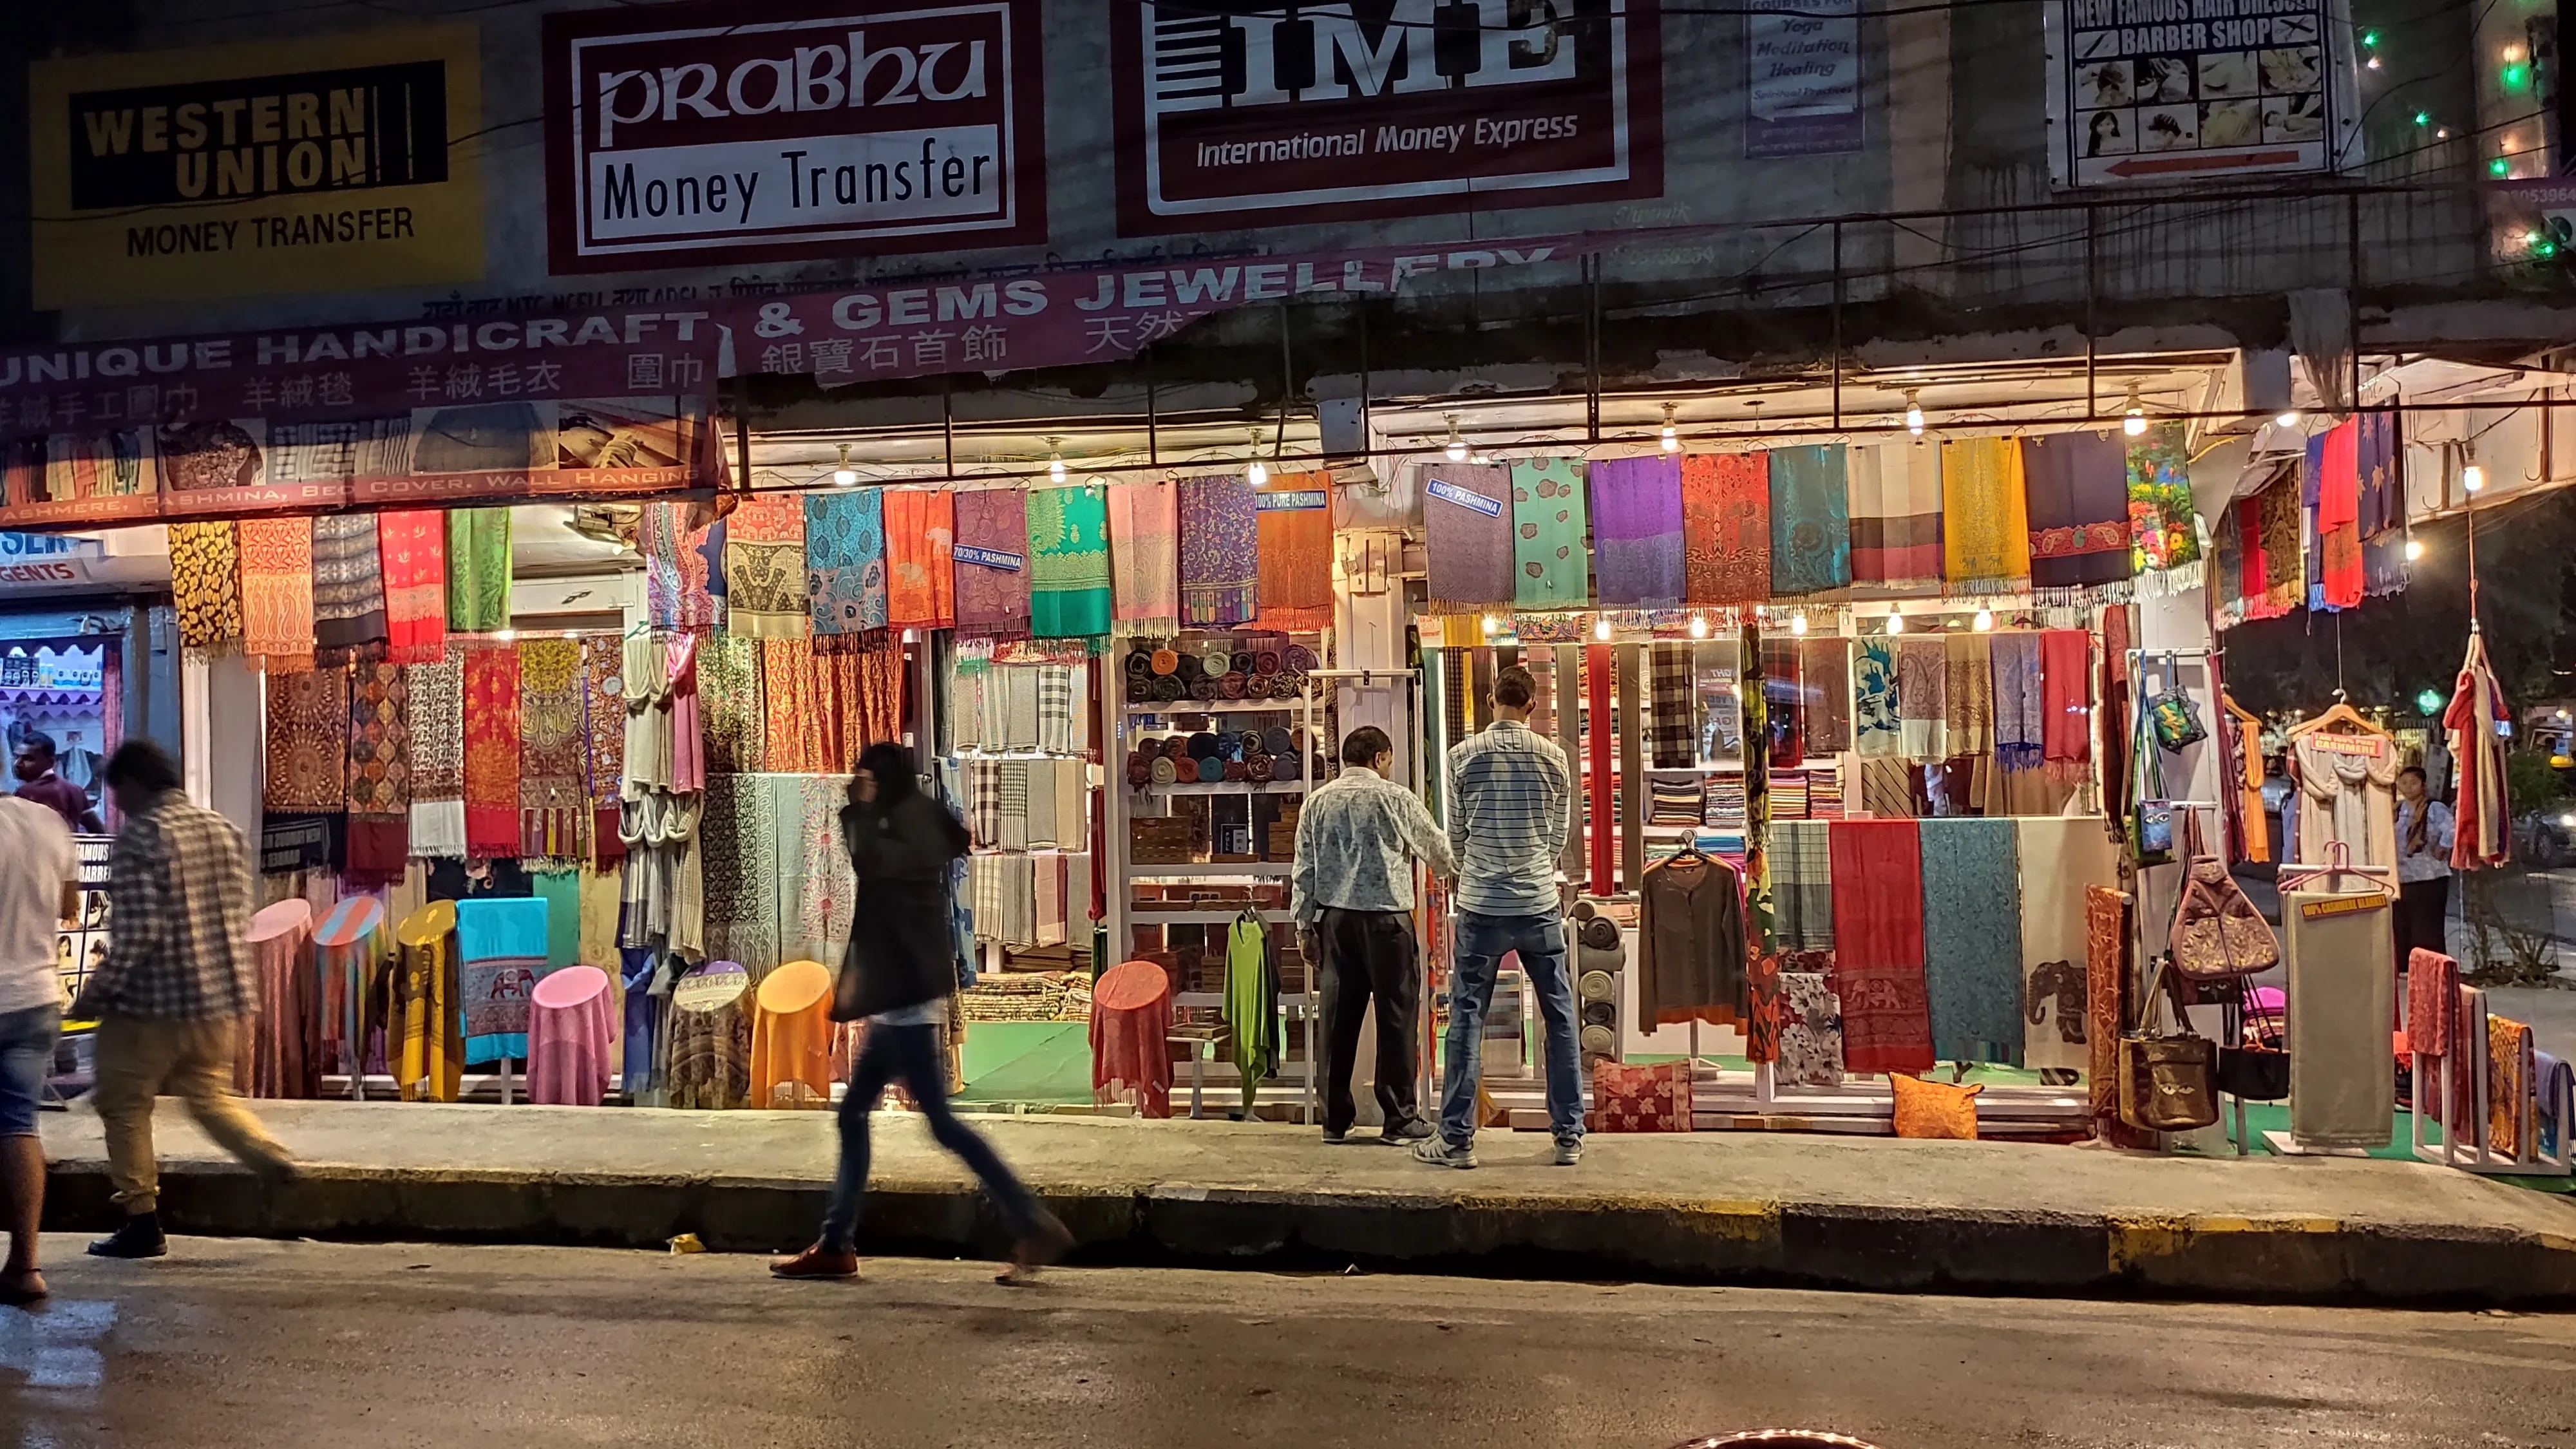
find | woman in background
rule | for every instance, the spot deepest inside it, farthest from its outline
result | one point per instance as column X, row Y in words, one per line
column 2423, row 868
column 899, row 973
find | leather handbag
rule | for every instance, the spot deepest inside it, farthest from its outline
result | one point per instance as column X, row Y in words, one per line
column 2168, row 1083
column 2217, row 935
column 2258, row 1068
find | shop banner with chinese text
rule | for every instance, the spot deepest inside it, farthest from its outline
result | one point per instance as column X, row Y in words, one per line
column 595, row 405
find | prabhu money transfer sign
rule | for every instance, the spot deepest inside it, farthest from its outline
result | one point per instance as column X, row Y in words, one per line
column 317, row 165
column 2166, row 91
column 1245, row 115
column 745, row 132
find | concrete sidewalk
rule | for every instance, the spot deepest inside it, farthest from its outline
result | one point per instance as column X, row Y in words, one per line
column 1706, row 1207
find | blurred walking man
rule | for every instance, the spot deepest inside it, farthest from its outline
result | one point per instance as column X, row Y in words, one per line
column 176, row 992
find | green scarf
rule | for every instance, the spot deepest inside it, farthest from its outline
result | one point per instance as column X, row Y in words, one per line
column 478, row 570
column 1548, row 524
column 1069, row 562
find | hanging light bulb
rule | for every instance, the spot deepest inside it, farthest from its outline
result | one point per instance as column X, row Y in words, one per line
column 1256, row 475
column 1699, row 627
column 504, row 636
column 2472, row 477
column 1672, row 440
column 844, row 475
column 1055, row 461
column 1493, row 625
column 1913, row 412
column 2288, row 418
column 1895, row 622
column 2414, row 549
column 1797, row 623
column 1601, row 627
column 2135, row 423
column 1985, row 620
column 1457, row 449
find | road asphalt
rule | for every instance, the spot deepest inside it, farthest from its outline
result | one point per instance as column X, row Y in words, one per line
column 239, row 1342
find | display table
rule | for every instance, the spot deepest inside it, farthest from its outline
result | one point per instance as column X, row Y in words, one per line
column 284, row 1058
column 431, row 1065
column 345, row 965
column 1131, row 1017
column 570, row 1023
column 708, row 1060
column 791, row 1038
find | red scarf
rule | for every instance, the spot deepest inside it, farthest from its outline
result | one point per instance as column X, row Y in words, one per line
column 491, row 751
column 2066, row 685
column 413, row 554
column 1878, row 945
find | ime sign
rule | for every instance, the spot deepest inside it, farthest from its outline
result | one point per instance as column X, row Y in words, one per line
column 715, row 133
column 1373, row 108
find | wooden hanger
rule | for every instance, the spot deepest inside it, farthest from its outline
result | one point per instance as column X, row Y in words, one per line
column 2238, row 712
column 2343, row 715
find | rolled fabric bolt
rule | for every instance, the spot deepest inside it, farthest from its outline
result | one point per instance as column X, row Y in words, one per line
column 1239, row 662
column 1266, row 661
column 1166, row 770
column 1597, row 986
column 1140, row 772
column 1185, row 771
column 1599, row 1041
column 1235, row 771
column 1258, row 769
column 1140, row 662
column 1204, row 746
column 1203, row 689
column 1231, row 686
column 1277, row 741
column 1139, row 690
column 1600, row 933
column 1166, row 661
column 1298, row 657
column 1216, row 662
column 1190, row 669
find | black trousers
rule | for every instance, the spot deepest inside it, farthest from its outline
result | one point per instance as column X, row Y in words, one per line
column 1369, row 955
column 2422, row 907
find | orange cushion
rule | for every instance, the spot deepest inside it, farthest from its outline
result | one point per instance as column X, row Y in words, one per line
column 1934, row 1109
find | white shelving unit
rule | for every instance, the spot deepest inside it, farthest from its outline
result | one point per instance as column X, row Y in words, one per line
column 1121, row 727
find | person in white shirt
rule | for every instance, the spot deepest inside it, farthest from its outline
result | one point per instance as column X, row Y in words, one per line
column 39, row 889
column 2423, row 868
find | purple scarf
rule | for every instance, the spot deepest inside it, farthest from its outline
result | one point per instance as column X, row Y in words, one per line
column 1637, row 531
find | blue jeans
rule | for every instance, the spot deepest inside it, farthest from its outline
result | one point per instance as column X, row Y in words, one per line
column 911, row 1054
column 26, row 1062
column 1483, row 941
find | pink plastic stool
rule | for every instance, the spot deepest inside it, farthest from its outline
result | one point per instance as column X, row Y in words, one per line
column 569, row 1025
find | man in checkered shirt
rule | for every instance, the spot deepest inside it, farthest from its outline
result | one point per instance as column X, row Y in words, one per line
column 176, row 994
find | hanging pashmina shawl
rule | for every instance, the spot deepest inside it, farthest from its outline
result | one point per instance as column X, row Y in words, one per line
column 478, row 570
column 1145, row 557
column 793, row 743
column 2383, row 506
column 2166, row 545
column 1825, row 663
column 675, row 568
column 765, row 568
column 603, row 736
column 1068, row 552
column 2284, row 540
column 412, row 548
column 1467, row 531
column 1985, row 518
column 1296, row 548
column 1726, row 522
column 1637, row 530
column 554, row 801
column 437, row 758
column 2339, row 514
column 1922, row 697
column 1551, row 567
column 305, row 800
column 2079, row 510
column 491, row 751
column 1878, row 945
column 1878, row 720
column 1220, row 551
column 1971, row 873
column 845, row 565
column 1896, row 515
column 205, row 586
column 379, row 797
column 1968, row 695
column 348, row 589
column 2021, row 729
column 1810, row 521
column 2065, row 702
column 277, row 592
column 729, row 693
column 739, row 838
column 1784, row 688
column 2482, row 823
column 992, row 565
column 921, row 581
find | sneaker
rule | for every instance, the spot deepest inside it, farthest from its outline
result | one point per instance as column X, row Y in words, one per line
column 1335, row 1139
column 139, row 1236
column 1411, row 1129
column 817, row 1262
column 1569, row 1152
column 1440, row 1154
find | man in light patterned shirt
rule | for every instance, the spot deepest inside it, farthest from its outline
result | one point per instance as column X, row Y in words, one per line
column 1357, row 839
column 1509, row 798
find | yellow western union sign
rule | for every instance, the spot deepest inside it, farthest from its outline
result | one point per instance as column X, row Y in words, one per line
column 339, row 163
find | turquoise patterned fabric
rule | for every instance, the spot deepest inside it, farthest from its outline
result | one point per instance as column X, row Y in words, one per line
column 1810, row 520
column 1972, row 939
column 845, row 560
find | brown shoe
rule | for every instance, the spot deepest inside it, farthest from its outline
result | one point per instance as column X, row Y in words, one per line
column 817, row 1262
column 1045, row 1243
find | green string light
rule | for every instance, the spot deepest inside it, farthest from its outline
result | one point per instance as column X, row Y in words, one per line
column 2423, row 118
column 2515, row 75
column 2370, row 37
column 2499, row 167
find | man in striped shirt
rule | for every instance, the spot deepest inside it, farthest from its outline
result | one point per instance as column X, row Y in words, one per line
column 1509, row 797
